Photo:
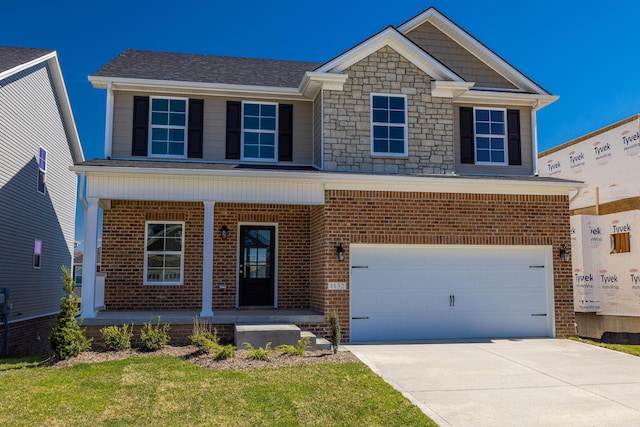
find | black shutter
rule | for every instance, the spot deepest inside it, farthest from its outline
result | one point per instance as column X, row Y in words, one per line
column 467, row 146
column 234, row 123
column 513, row 127
column 140, row 126
column 196, row 125
column 285, row 132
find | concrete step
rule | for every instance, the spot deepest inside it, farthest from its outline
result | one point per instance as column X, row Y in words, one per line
column 322, row 344
column 260, row 335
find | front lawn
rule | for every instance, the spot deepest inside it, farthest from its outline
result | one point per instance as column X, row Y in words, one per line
column 624, row 348
column 169, row 391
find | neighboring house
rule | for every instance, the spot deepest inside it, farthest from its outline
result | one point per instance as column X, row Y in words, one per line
column 38, row 144
column 604, row 219
column 394, row 184
column 78, row 261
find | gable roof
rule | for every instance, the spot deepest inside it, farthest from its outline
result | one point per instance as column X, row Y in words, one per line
column 16, row 59
column 182, row 67
column 401, row 44
column 473, row 46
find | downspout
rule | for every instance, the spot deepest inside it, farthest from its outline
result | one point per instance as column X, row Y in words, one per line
column 81, row 196
column 534, row 136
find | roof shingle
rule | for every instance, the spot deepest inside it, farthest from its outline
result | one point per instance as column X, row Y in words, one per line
column 11, row 57
column 140, row 64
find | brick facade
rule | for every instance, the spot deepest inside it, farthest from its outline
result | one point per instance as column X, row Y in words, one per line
column 29, row 337
column 123, row 230
column 123, row 254
column 309, row 235
column 347, row 115
column 442, row 219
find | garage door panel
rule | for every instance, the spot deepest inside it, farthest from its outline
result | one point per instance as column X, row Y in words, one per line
column 414, row 292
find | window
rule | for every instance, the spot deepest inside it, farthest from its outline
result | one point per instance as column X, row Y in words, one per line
column 259, row 131
column 168, row 124
column 37, row 253
column 42, row 169
column 77, row 274
column 388, row 125
column 620, row 243
column 490, row 135
column 164, row 253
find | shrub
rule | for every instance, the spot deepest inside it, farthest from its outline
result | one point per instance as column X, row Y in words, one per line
column 116, row 337
column 154, row 337
column 202, row 337
column 336, row 336
column 224, row 352
column 258, row 353
column 301, row 347
column 67, row 338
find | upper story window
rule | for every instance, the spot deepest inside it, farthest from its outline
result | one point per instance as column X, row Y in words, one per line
column 42, row 169
column 168, row 125
column 388, row 125
column 259, row 130
column 491, row 136
column 37, row 253
column 164, row 253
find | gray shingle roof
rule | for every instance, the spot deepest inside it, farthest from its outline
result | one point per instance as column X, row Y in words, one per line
column 140, row 64
column 11, row 57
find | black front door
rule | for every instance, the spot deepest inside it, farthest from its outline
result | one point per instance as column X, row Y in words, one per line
column 257, row 259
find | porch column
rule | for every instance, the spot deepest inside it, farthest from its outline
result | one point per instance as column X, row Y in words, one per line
column 88, row 310
column 207, row 261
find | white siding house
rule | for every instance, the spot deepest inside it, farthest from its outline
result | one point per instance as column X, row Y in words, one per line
column 38, row 144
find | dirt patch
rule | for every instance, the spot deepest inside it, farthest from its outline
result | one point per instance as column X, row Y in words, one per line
column 240, row 362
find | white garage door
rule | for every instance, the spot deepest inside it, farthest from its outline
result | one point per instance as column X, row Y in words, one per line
column 422, row 292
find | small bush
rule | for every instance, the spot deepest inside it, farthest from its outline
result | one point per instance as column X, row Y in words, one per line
column 202, row 337
column 224, row 352
column 154, row 337
column 336, row 336
column 116, row 337
column 67, row 338
column 301, row 347
column 258, row 353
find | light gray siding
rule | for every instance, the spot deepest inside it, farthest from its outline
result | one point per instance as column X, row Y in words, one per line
column 215, row 112
column 526, row 146
column 30, row 118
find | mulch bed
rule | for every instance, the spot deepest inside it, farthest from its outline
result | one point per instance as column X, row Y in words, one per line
column 240, row 362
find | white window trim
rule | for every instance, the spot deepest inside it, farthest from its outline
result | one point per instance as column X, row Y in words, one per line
column 152, row 126
column 44, row 171
column 476, row 135
column 146, row 236
column 404, row 126
column 38, row 254
column 275, row 133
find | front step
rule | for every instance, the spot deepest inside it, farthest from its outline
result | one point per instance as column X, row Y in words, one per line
column 279, row 334
column 261, row 335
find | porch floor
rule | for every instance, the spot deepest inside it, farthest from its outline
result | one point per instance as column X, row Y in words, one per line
column 220, row 317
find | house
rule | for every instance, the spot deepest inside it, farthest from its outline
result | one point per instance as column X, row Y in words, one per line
column 604, row 217
column 38, row 144
column 394, row 184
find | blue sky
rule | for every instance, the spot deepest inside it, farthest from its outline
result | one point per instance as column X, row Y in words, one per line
column 583, row 51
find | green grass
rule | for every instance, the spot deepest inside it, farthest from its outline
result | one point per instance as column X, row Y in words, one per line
column 624, row 348
column 7, row 363
column 163, row 391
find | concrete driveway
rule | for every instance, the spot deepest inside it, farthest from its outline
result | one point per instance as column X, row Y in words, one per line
column 511, row 382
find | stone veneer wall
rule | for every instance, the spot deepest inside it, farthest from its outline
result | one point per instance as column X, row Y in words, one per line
column 347, row 119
